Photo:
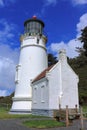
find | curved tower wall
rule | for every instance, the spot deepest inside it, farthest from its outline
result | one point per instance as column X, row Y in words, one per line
column 33, row 60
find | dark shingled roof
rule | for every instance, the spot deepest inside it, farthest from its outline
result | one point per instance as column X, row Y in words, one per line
column 42, row 74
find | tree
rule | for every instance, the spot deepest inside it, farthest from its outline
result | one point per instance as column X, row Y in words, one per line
column 83, row 39
column 81, row 60
column 51, row 59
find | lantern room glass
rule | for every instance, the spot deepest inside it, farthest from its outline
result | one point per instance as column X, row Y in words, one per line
column 34, row 27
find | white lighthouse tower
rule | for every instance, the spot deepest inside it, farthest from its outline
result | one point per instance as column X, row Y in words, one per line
column 32, row 61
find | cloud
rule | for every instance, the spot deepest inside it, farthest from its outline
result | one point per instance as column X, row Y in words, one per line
column 54, row 2
column 8, row 57
column 3, row 93
column 8, row 61
column 79, row 2
column 50, row 2
column 73, row 43
column 46, row 4
column 76, row 2
column 1, row 3
column 6, row 31
column 4, row 3
column 82, row 23
column 70, row 47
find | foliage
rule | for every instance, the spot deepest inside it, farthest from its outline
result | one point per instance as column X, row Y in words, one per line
column 79, row 65
column 51, row 59
column 7, row 99
column 43, row 123
column 83, row 39
column 84, row 108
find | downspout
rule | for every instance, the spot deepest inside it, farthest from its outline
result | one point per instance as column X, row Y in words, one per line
column 61, row 92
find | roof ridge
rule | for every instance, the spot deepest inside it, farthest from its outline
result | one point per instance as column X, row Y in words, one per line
column 42, row 74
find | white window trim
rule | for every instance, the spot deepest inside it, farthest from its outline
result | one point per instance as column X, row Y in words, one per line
column 35, row 95
column 17, row 75
column 42, row 94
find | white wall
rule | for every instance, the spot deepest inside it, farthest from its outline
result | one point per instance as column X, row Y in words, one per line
column 63, row 84
column 54, row 86
column 40, row 95
column 70, row 87
column 61, row 87
column 32, row 61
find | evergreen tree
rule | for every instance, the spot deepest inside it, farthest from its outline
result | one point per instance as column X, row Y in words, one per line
column 83, row 39
column 82, row 58
column 51, row 59
column 79, row 64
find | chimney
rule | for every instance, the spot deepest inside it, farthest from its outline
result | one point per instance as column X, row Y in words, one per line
column 62, row 55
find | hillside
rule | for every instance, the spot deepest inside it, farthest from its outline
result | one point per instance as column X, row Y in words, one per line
column 7, row 99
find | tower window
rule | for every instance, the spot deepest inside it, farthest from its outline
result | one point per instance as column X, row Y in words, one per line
column 37, row 40
column 18, row 73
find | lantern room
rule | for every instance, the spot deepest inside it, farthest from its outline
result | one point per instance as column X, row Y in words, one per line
column 34, row 26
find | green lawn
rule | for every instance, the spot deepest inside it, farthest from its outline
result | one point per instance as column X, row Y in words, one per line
column 4, row 114
column 84, row 108
column 40, row 123
column 43, row 123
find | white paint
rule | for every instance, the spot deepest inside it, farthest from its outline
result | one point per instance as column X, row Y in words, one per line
column 38, row 103
column 61, row 87
column 32, row 61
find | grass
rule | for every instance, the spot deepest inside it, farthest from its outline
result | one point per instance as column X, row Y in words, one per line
column 34, row 123
column 84, row 108
column 43, row 123
column 4, row 114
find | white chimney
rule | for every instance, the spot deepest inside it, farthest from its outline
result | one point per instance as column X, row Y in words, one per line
column 62, row 55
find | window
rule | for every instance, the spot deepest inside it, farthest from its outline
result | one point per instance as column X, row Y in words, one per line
column 42, row 94
column 35, row 95
column 18, row 73
column 37, row 40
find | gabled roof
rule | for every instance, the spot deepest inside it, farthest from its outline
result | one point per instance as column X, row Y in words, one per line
column 42, row 74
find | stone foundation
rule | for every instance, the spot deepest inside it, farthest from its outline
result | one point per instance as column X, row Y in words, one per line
column 42, row 112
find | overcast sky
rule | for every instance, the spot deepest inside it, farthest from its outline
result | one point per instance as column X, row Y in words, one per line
column 63, row 20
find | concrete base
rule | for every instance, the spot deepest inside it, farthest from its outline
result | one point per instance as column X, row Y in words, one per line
column 21, row 105
column 17, row 111
column 42, row 112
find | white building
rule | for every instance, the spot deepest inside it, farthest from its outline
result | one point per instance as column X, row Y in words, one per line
column 32, row 61
column 53, row 86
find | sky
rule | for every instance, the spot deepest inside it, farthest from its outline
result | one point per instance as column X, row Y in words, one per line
column 63, row 20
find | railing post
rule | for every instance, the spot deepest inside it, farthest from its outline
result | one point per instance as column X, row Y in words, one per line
column 59, row 112
column 76, row 108
column 82, row 127
column 67, row 116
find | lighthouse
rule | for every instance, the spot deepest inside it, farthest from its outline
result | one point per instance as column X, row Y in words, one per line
column 32, row 61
